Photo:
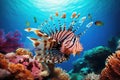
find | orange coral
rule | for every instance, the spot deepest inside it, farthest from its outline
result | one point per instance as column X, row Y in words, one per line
column 17, row 70
column 60, row 74
column 112, row 69
column 1, row 56
column 20, row 72
column 15, row 67
column 22, row 51
column 3, row 62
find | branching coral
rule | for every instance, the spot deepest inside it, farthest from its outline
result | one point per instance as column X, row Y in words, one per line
column 96, row 58
column 112, row 69
column 9, row 42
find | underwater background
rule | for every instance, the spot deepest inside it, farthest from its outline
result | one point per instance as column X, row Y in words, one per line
column 15, row 13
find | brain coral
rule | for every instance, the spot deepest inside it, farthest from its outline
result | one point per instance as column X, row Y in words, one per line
column 112, row 69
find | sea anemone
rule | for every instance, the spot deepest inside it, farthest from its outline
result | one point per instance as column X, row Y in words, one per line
column 112, row 69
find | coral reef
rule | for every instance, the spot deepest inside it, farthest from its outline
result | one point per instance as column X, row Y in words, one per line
column 96, row 58
column 112, row 69
column 80, row 66
column 20, row 72
column 21, row 65
column 93, row 61
column 4, row 74
column 92, row 76
column 9, row 42
column 60, row 74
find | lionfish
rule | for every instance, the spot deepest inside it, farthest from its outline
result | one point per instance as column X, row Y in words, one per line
column 56, row 43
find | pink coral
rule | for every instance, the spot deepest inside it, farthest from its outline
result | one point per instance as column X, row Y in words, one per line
column 9, row 42
column 24, row 57
column 22, row 65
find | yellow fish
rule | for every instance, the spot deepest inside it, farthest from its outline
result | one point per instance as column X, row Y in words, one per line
column 27, row 23
column 99, row 23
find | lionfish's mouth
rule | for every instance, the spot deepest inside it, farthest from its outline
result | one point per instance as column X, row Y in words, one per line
column 57, row 44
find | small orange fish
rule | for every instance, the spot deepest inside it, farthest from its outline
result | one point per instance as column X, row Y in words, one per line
column 56, row 14
column 27, row 24
column 73, row 15
column 63, row 16
column 99, row 23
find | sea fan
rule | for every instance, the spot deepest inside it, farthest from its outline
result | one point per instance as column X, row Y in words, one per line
column 112, row 69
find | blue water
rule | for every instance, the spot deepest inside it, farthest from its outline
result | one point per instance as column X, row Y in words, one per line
column 14, row 14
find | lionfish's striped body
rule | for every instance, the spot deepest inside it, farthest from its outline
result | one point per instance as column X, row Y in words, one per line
column 58, row 46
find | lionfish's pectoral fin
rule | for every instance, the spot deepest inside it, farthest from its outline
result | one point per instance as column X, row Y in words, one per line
column 37, row 32
column 35, row 41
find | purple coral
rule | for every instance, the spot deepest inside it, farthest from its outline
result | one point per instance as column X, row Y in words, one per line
column 9, row 42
